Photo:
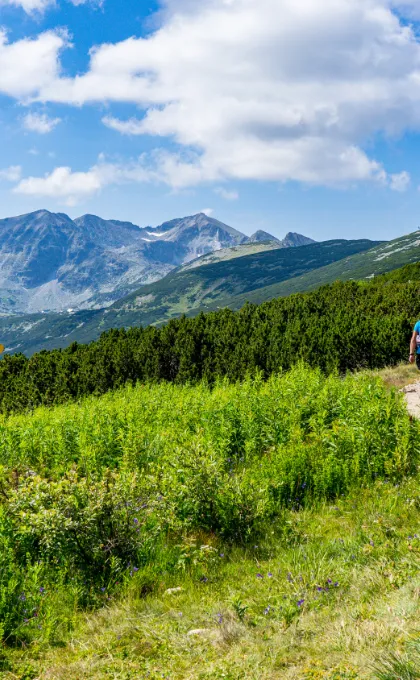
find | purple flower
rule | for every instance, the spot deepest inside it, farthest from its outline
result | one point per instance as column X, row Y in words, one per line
column 300, row 603
column 22, row 597
column 329, row 580
column 319, row 589
column 336, row 584
column 270, row 575
column 266, row 610
column 42, row 590
column 219, row 618
column 135, row 569
column 135, row 520
column 371, row 543
column 103, row 590
column 204, row 579
column 260, row 576
column 222, row 555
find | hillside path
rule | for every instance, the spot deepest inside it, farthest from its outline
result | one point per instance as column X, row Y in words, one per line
column 412, row 398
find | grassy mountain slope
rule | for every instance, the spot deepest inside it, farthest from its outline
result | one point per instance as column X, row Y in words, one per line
column 226, row 254
column 250, row 531
column 181, row 292
column 381, row 259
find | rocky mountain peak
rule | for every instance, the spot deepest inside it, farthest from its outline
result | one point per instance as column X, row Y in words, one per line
column 261, row 235
column 294, row 240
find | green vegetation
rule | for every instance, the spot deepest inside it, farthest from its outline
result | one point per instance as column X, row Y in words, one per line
column 366, row 265
column 345, row 326
column 260, row 529
column 234, row 252
column 178, row 293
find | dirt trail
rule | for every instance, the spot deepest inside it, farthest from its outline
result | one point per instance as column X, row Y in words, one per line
column 412, row 398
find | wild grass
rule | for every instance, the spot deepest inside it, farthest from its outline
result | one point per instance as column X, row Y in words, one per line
column 258, row 530
column 399, row 376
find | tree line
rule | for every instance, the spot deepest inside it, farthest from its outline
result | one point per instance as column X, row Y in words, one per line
column 339, row 327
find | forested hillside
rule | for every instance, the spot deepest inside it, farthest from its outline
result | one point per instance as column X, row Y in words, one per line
column 360, row 266
column 340, row 327
column 185, row 291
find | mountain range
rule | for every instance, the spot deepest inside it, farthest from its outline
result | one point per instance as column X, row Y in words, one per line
column 49, row 262
column 114, row 274
column 187, row 290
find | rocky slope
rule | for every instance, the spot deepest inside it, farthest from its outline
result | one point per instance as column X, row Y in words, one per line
column 49, row 262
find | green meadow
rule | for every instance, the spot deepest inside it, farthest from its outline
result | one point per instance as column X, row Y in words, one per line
column 263, row 529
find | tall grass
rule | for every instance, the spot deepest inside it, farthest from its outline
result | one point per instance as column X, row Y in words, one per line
column 153, row 479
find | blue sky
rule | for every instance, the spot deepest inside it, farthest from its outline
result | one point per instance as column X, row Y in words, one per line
column 278, row 114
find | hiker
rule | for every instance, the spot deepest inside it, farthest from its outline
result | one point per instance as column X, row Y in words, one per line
column 415, row 346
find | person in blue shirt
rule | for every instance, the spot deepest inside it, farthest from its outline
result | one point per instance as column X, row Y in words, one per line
column 415, row 346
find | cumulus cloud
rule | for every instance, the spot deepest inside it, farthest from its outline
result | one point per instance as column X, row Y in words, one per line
column 31, row 64
column 40, row 123
column 276, row 90
column 11, row 174
column 69, row 187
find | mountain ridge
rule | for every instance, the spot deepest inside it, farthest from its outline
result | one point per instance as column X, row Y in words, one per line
column 49, row 262
column 185, row 291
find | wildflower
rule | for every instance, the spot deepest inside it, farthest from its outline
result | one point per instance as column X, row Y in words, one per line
column 22, row 597
column 300, row 603
column 319, row 589
column 289, row 577
column 266, row 610
column 371, row 543
column 270, row 575
column 336, row 584
column 219, row 618
column 102, row 590
column 42, row 590
column 135, row 569
column 260, row 575
column 329, row 580
column 222, row 555
column 135, row 520
column 204, row 579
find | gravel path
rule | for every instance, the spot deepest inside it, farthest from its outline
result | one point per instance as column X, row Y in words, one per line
column 412, row 397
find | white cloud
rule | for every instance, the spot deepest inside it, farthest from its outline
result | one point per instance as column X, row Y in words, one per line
column 29, row 65
column 32, row 6
column 126, row 127
column 276, row 90
column 207, row 211
column 11, row 174
column 226, row 194
column 29, row 5
column 40, row 123
column 70, row 187
column 400, row 182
